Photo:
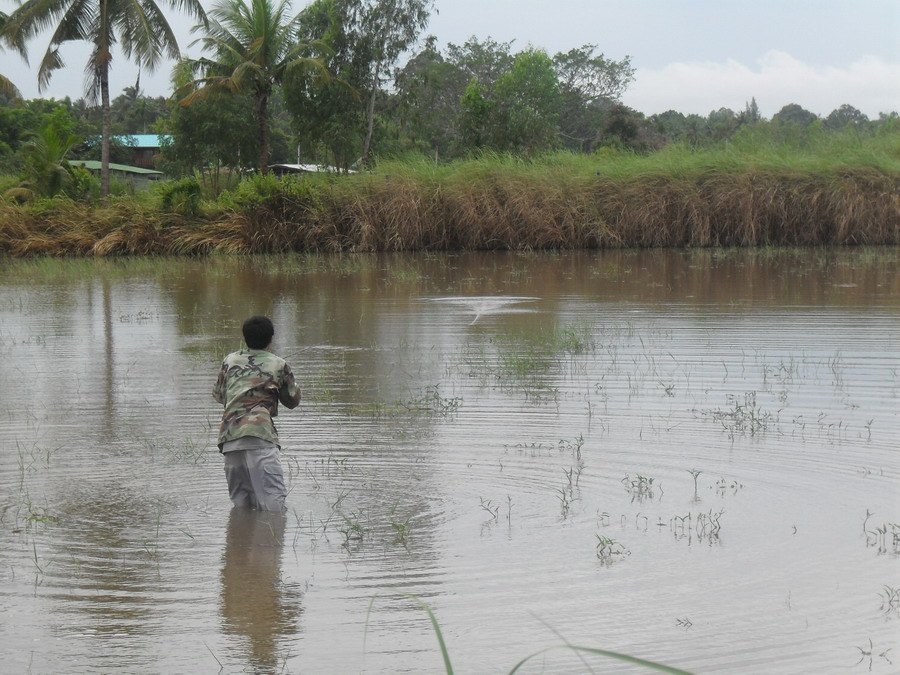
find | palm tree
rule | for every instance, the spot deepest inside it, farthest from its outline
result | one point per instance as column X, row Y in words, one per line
column 255, row 48
column 48, row 172
column 6, row 85
column 138, row 27
column 8, row 88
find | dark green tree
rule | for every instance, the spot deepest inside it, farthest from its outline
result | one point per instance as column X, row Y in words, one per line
column 475, row 117
column 846, row 116
column 621, row 128
column 721, row 124
column 527, row 105
column 794, row 114
column 588, row 84
column 435, row 101
column 330, row 119
column 750, row 114
column 485, row 61
column 428, row 101
column 216, row 138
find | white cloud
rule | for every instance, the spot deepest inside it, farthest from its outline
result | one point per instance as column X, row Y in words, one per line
column 870, row 84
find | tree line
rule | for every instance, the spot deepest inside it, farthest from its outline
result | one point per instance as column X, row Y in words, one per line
column 338, row 83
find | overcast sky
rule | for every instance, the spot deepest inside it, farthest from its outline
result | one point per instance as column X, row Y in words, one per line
column 693, row 56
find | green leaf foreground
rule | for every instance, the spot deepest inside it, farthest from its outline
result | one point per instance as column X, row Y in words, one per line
column 603, row 652
column 448, row 667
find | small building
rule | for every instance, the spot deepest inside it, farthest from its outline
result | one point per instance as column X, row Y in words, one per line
column 283, row 169
column 137, row 177
column 145, row 148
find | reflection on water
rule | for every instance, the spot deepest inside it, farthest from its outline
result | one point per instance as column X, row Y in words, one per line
column 256, row 604
column 689, row 456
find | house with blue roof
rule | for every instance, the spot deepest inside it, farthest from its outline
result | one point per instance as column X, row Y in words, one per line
column 146, row 148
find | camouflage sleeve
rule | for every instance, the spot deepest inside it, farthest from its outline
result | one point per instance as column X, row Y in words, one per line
column 218, row 392
column 289, row 393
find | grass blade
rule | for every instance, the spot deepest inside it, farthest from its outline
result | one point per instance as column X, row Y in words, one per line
column 434, row 624
column 659, row 667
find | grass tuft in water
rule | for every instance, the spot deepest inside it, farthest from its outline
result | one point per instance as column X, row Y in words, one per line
column 609, row 550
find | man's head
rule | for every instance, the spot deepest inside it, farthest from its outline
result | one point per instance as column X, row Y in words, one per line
column 258, row 332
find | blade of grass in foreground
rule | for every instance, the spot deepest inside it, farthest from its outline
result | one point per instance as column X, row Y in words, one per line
column 659, row 667
column 434, row 623
column 613, row 655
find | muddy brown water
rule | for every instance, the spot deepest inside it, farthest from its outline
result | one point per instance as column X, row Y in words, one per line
column 508, row 438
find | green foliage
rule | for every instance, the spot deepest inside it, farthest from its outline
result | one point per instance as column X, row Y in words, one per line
column 493, row 99
column 208, row 136
column 588, row 85
column 329, row 119
column 625, row 129
column 252, row 192
column 306, row 192
column 47, row 173
column 182, row 195
column 131, row 113
column 8, row 181
column 757, row 147
column 520, row 114
column 485, row 61
column 84, row 185
column 475, row 117
column 429, row 97
column 337, row 123
column 381, row 30
column 527, row 99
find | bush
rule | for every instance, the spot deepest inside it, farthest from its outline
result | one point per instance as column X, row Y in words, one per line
column 182, row 196
column 84, row 187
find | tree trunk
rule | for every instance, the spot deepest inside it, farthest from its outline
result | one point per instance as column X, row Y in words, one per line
column 370, row 116
column 104, row 133
column 262, row 104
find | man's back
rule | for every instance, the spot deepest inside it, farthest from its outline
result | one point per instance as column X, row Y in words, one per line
column 250, row 385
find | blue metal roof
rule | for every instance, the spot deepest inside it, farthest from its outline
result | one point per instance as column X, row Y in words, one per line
column 140, row 140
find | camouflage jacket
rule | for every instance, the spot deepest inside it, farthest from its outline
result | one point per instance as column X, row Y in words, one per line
column 250, row 385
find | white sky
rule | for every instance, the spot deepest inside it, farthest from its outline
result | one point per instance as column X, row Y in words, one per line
column 693, row 56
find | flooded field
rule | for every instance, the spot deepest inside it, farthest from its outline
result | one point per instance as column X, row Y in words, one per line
column 688, row 457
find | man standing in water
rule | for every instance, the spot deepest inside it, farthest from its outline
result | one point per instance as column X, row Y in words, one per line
column 251, row 383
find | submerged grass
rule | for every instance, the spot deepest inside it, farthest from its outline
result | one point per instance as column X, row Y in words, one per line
column 843, row 191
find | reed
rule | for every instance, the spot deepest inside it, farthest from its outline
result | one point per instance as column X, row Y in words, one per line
column 836, row 191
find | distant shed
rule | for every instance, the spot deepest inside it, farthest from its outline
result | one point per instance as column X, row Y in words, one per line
column 284, row 169
column 146, row 148
column 136, row 176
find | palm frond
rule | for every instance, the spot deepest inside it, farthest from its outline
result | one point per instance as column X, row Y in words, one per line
column 8, row 88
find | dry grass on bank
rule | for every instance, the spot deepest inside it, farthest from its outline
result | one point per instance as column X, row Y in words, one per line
column 485, row 205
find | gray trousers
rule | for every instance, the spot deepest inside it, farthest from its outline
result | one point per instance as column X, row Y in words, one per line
column 255, row 478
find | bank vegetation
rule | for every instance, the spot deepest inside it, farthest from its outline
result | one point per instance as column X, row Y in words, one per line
column 845, row 191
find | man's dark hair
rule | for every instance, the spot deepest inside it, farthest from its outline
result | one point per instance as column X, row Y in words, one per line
column 258, row 332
